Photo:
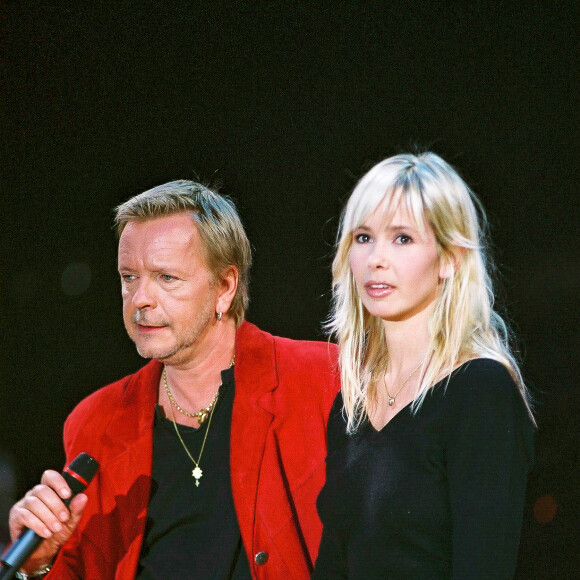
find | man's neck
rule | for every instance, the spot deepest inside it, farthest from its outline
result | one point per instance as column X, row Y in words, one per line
column 198, row 376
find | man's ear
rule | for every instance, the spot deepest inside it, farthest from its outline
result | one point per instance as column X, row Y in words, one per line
column 227, row 286
column 451, row 262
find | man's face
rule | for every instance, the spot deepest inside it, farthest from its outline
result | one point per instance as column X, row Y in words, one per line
column 169, row 294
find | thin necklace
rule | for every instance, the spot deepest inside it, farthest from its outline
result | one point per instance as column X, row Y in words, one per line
column 392, row 398
column 197, row 472
column 202, row 414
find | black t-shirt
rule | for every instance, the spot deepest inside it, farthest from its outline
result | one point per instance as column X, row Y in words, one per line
column 193, row 532
column 436, row 494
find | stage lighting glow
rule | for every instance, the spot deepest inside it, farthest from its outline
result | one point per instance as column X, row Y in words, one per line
column 545, row 509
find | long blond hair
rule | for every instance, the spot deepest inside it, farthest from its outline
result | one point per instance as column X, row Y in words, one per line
column 463, row 323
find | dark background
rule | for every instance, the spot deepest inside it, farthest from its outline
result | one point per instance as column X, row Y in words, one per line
column 285, row 104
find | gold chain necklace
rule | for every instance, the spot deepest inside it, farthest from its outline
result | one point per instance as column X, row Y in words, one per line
column 197, row 472
column 202, row 414
column 392, row 398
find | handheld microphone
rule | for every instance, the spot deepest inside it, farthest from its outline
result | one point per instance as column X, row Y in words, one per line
column 78, row 475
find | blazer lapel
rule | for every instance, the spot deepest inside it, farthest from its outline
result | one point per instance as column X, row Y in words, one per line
column 125, row 475
column 256, row 379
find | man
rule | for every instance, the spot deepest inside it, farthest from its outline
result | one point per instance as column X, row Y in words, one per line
column 212, row 455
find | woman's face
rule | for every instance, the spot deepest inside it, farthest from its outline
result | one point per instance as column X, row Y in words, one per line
column 397, row 270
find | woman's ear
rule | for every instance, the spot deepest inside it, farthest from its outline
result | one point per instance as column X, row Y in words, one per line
column 450, row 262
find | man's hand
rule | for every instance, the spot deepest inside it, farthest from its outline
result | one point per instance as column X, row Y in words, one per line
column 43, row 511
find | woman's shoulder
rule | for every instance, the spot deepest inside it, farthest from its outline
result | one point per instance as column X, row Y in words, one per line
column 480, row 383
column 481, row 370
column 483, row 405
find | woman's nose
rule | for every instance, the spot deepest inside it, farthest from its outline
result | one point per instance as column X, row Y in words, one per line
column 378, row 256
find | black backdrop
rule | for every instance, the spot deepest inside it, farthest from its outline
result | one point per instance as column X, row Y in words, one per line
column 285, row 104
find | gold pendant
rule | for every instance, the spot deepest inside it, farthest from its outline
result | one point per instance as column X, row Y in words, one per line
column 391, row 401
column 202, row 416
column 197, row 473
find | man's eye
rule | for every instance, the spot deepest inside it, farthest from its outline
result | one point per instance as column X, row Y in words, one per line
column 167, row 277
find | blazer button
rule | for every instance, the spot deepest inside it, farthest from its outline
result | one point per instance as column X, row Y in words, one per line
column 261, row 558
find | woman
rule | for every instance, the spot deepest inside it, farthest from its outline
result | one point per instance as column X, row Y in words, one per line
column 430, row 439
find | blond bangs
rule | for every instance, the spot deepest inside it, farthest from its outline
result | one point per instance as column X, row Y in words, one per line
column 463, row 324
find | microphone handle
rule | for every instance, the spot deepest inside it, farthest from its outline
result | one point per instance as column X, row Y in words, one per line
column 28, row 541
column 20, row 551
column 77, row 475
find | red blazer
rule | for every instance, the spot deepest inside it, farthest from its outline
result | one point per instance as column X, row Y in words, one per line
column 284, row 391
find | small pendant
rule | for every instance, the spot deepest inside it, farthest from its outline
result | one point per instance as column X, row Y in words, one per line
column 197, row 473
column 391, row 401
column 202, row 416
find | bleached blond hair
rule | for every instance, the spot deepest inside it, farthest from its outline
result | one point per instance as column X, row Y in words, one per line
column 463, row 324
column 222, row 234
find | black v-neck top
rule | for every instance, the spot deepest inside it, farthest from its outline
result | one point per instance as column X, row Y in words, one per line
column 436, row 494
column 193, row 532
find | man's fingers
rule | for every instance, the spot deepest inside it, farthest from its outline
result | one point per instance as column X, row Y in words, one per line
column 42, row 498
column 57, row 482
column 35, row 513
column 42, row 509
column 77, row 505
column 21, row 517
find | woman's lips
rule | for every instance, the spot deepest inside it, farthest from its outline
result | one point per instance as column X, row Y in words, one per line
column 378, row 289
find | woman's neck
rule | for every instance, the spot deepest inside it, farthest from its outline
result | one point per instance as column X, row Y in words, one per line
column 407, row 343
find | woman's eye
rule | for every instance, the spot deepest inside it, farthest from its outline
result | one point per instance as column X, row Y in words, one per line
column 362, row 238
column 167, row 277
column 403, row 239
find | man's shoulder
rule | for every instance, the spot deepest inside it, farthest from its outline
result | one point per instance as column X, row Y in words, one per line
column 303, row 375
column 306, row 352
column 308, row 348
column 109, row 398
column 109, row 419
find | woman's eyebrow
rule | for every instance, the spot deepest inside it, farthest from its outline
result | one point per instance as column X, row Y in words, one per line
column 404, row 226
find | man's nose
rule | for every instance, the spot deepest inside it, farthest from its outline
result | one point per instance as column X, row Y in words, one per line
column 144, row 296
